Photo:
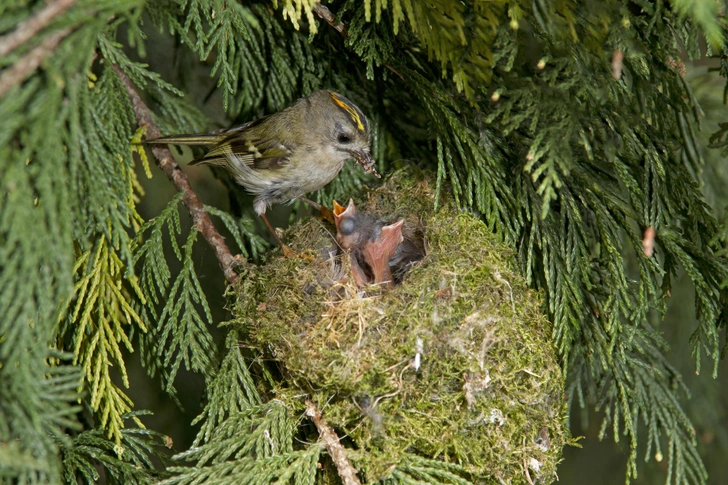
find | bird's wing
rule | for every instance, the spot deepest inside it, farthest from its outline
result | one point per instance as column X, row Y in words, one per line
column 250, row 145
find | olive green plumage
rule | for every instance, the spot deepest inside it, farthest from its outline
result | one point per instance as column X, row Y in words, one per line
column 283, row 156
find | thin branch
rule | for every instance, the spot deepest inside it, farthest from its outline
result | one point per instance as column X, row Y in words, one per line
column 332, row 444
column 325, row 14
column 27, row 29
column 17, row 73
column 169, row 166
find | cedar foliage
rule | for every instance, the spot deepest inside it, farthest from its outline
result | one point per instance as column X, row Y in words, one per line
column 514, row 104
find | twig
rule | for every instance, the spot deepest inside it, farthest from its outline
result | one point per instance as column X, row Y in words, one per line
column 27, row 29
column 332, row 444
column 30, row 62
column 166, row 162
column 525, row 465
column 325, row 14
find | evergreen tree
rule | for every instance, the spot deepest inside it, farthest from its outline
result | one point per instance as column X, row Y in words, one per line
column 568, row 127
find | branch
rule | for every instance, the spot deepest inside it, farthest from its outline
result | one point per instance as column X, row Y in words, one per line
column 324, row 13
column 169, row 166
column 332, row 444
column 30, row 62
column 27, row 29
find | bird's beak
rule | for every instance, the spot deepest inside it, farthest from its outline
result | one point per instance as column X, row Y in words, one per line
column 340, row 212
column 367, row 163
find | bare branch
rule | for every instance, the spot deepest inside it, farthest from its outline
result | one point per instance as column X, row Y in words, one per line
column 332, row 444
column 27, row 29
column 326, row 15
column 30, row 62
column 169, row 166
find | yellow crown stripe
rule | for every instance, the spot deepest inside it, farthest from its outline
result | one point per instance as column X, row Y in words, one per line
column 349, row 109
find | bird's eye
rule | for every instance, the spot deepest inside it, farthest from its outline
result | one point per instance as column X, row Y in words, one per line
column 343, row 138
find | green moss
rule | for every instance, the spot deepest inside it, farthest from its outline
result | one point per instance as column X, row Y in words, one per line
column 488, row 381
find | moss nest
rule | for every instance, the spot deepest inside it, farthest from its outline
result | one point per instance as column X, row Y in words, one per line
column 455, row 364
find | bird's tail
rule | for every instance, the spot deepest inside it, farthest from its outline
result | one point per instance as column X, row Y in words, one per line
column 206, row 139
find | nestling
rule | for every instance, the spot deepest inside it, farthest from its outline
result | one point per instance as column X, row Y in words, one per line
column 283, row 156
column 371, row 243
column 380, row 253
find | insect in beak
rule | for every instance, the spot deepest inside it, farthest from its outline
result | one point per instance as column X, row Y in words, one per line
column 367, row 163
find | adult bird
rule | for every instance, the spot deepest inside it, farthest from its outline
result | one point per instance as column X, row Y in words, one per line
column 283, row 156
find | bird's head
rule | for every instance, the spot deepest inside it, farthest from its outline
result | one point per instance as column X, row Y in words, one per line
column 347, row 129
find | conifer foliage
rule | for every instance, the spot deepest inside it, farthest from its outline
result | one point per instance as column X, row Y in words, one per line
column 567, row 126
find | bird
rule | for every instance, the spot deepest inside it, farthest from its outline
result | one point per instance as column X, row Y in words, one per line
column 372, row 244
column 283, row 156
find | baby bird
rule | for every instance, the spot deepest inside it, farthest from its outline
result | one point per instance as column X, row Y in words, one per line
column 283, row 156
column 371, row 241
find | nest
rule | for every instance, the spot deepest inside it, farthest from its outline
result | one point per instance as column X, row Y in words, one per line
column 455, row 363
